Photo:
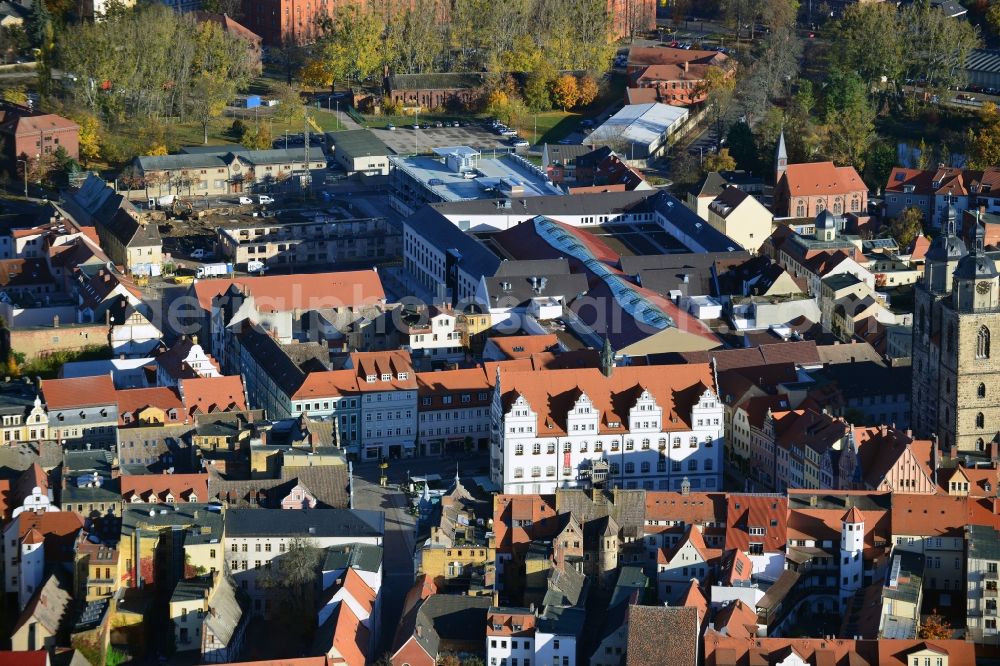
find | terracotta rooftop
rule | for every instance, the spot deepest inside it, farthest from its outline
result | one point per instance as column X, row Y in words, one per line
column 203, row 395
column 762, row 511
column 151, row 488
column 820, row 178
column 283, row 293
column 95, row 391
column 552, row 393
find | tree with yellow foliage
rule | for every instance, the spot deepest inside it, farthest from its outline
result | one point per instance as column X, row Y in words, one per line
column 587, row 89
column 90, row 136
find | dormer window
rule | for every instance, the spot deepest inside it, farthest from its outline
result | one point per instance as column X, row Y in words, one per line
column 169, row 499
column 402, row 376
column 370, row 379
column 126, row 418
column 192, row 498
column 386, row 377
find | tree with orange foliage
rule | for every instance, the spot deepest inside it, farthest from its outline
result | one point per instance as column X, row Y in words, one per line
column 935, row 627
column 565, row 91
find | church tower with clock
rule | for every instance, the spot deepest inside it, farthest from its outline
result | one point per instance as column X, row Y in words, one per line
column 956, row 395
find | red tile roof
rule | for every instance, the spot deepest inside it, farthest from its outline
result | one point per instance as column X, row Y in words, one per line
column 48, row 122
column 283, row 293
column 350, row 638
column 203, row 395
column 552, row 393
column 694, row 598
column 132, row 401
column 523, row 346
column 57, row 527
column 359, row 590
column 929, row 515
column 824, row 525
column 767, row 512
column 154, row 487
column 518, row 519
column 379, row 363
column 821, row 178
column 737, row 619
column 79, row 392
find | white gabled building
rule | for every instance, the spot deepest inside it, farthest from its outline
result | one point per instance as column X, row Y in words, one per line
column 627, row 427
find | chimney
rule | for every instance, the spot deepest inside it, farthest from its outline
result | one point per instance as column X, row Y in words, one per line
column 953, row 452
column 685, row 66
column 420, row 631
column 813, row 500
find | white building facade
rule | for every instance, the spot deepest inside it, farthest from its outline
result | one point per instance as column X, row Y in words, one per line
column 647, row 449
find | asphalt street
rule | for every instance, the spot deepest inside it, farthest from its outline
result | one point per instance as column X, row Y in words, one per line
column 400, row 526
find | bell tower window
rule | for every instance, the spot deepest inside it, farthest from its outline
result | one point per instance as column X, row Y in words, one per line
column 983, row 343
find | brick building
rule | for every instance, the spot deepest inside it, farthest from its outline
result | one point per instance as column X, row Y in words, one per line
column 35, row 135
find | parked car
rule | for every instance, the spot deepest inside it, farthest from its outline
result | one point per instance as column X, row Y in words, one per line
column 518, row 142
column 391, row 127
column 264, row 199
column 508, row 132
column 415, row 126
column 201, row 253
column 586, row 122
column 246, row 201
column 439, row 124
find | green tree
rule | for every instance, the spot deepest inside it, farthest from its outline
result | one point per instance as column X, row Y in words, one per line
column 290, row 109
column 351, row 44
column 743, row 147
column 38, row 24
column 850, row 120
column 257, row 137
column 538, row 87
column 993, row 17
column 907, row 226
column 870, row 43
column 879, row 163
column 209, row 98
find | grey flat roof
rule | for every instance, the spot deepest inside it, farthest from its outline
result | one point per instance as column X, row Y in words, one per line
column 304, row 523
column 598, row 203
column 449, row 185
column 224, row 156
column 358, row 143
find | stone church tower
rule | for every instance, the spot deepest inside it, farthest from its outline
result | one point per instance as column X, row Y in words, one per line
column 956, row 313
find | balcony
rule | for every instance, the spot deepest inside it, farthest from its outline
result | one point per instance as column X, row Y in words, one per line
column 991, row 610
column 990, row 575
column 990, row 593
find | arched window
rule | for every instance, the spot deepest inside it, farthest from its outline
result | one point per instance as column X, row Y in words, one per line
column 980, row 444
column 980, row 421
column 982, row 391
column 983, row 343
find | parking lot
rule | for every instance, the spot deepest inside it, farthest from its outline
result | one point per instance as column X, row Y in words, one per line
column 404, row 140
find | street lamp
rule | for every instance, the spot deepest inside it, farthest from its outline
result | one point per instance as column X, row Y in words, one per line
column 338, row 114
column 416, row 129
column 25, row 162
